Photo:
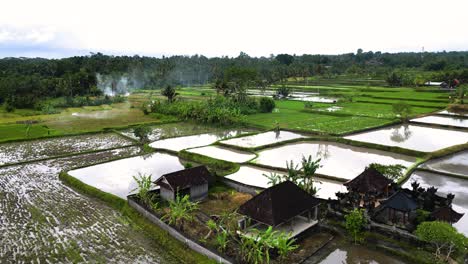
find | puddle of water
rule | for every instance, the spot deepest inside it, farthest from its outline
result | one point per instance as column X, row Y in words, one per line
column 105, row 114
column 262, row 139
column 351, row 254
column 443, row 120
column 331, row 108
column 39, row 149
column 455, row 164
column 446, row 185
column 337, row 160
column 253, row 176
column 316, row 99
column 224, row 154
column 116, row 177
column 414, row 137
column 180, row 143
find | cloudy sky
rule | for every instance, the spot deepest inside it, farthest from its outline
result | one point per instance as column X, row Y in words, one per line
column 62, row 28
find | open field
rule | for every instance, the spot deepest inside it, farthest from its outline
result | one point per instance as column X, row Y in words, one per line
column 74, row 121
column 299, row 120
column 371, row 106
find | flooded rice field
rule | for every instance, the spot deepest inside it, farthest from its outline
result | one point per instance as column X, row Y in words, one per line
column 448, row 112
column 413, row 137
column 337, row 160
column 258, row 177
column 443, row 120
column 352, row 254
column 455, row 164
column 262, row 139
column 446, row 185
column 295, row 96
column 175, row 130
column 116, row 177
column 315, row 99
column 330, row 109
column 40, row 149
column 43, row 221
column 181, row 143
column 221, row 153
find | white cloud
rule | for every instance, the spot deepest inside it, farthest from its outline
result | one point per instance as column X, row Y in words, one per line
column 28, row 35
column 221, row 27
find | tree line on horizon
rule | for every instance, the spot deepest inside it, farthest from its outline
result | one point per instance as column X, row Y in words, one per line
column 25, row 81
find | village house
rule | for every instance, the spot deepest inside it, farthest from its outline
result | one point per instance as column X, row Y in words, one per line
column 398, row 209
column 193, row 182
column 285, row 207
column 446, row 214
column 370, row 181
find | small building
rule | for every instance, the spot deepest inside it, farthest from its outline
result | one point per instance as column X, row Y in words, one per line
column 446, row 214
column 285, row 207
column 399, row 209
column 370, row 181
column 193, row 182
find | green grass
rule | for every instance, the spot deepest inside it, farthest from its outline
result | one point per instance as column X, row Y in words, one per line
column 86, row 119
column 313, row 122
column 18, row 131
column 221, row 167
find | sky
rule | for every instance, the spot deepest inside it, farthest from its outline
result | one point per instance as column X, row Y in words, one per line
column 63, row 28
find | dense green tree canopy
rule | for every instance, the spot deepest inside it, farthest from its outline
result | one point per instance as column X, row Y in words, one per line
column 23, row 81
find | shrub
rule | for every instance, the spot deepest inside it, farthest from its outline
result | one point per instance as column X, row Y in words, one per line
column 215, row 110
column 283, row 92
column 9, row 107
column 142, row 133
column 266, row 104
column 443, row 236
column 402, row 109
column 355, row 223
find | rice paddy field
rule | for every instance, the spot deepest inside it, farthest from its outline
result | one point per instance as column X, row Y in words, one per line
column 16, row 152
column 42, row 220
column 73, row 121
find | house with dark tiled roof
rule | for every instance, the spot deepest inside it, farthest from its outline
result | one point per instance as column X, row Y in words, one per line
column 284, row 206
column 446, row 214
column 399, row 209
column 369, row 181
column 193, row 182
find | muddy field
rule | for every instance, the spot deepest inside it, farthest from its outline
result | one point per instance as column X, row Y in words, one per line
column 40, row 149
column 43, row 221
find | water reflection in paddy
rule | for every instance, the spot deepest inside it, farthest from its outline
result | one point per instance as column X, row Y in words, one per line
column 443, row 120
column 175, row 130
column 456, row 164
column 316, row 99
column 262, row 139
column 257, row 177
column 446, row 185
column 414, row 137
column 223, row 153
column 180, row 143
column 116, row 177
column 448, row 112
column 351, row 254
column 338, row 160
